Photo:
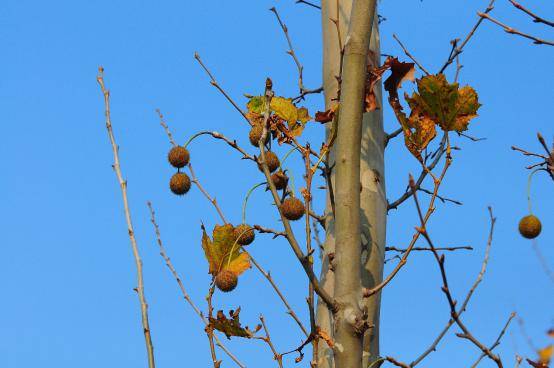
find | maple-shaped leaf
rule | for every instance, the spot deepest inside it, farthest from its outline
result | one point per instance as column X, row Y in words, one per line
column 223, row 252
column 445, row 103
column 231, row 326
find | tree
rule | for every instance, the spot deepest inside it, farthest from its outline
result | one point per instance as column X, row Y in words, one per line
column 345, row 330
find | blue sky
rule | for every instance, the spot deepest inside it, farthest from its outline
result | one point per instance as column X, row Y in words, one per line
column 66, row 263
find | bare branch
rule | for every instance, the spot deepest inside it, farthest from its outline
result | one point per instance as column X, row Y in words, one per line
column 123, row 185
column 511, row 30
column 408, row 54
column 220, row 89
column 179, row 281
column 535, row 17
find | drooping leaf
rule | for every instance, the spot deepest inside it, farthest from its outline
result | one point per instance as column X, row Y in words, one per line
column 223, row 252
column 445, row 103
column 421, row 131
column 400, row 72
column 327, row 115
column 231, row 326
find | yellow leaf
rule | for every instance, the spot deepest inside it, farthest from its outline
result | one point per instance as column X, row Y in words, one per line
column 240, row 264
column 223, row 252
column 545, row 354
column 285, row 109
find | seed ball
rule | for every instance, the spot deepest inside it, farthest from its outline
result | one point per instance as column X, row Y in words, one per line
column 272, row 161
column 292, row 208
column 244, row 234
column 280, row 180
column 179, row 183
column 530, row 227
column 256, row 134
column 226, row 281
column 178, row 157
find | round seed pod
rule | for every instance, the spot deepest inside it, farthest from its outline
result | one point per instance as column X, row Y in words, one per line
column 178, row 157
column 292, row 208
column 244, row 234
column 272, row 161
column 256, row 134
column 279, row 179
column 179, row 183
column 226, row 281
column 530, row 227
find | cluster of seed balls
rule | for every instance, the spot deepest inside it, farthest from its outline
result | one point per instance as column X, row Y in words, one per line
column 227, row 280
column 530, row 226
column 292, row 208
column 179, row 157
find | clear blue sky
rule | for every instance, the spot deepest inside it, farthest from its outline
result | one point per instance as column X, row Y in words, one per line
column 66, row 265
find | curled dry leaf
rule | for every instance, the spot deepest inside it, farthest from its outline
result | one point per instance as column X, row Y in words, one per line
column 223, row 252
column 231, row 326
column 400, row 72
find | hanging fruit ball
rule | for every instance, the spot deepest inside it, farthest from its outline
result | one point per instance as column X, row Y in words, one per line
column 280, row 180
column 530, row 227
column 179, row 183
column 244, row 234
column 272, row 161
column 226, row 281
column 178, row 157
column 256, row 134
column 292, row 208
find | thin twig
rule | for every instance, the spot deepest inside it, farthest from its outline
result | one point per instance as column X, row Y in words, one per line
column 497, row 342
column 535, row 17
column 269, row 278
column 179, row 281
column 511, row 30
column 448, row 249
column 213, row 201
column 462, row 309
column 278, row 357
column 458, row 50
column 408, row 54
column 220, row 89
column 123, row 184
column 166, row 128
column 290, row 51
column 308, row 3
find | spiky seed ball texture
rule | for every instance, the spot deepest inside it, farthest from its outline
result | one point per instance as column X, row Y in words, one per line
column 272, row 161
column 244, row 234
column 292, row 208
column 280, row 180
column 530, row 226
column 179, row 183
column 226, row 281
column 178, row 157
column 256, row 134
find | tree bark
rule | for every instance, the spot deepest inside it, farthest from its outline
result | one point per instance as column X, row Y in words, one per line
column 372, row 208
